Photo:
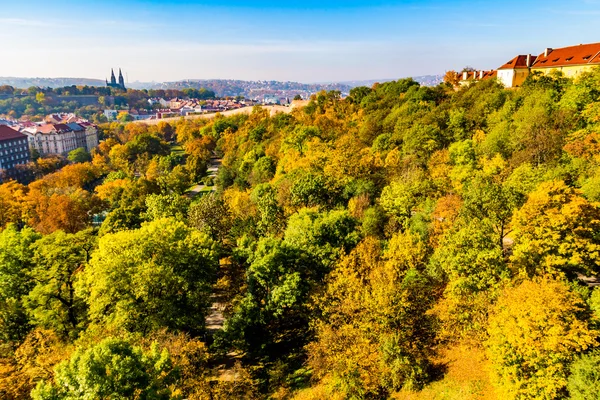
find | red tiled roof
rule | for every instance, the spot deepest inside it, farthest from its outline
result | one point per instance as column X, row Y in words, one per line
column 48, row 128
column 518, row 62
column 573, row 55
column 8, row 133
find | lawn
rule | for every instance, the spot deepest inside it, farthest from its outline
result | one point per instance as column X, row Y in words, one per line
column 176, row 149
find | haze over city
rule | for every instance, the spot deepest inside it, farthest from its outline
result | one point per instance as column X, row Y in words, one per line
column 311, row 41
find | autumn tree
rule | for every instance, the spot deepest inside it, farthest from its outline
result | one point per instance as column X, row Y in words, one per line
column 33, row 360
column 11, row 202
column 452, row 78
column 535, row 331
column 556, row 232
column 375, row 336
column 212, row 215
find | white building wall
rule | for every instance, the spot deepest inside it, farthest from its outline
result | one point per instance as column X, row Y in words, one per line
column 91, row 136
column 507, row 77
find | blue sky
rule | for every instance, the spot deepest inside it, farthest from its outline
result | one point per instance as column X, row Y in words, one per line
column 307, row 41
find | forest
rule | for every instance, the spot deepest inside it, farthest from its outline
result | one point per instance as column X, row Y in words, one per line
column 404, row 242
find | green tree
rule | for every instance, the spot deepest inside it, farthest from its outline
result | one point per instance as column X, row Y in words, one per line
column 58, row 259
column 326, row 235
column 172, row 205
column 298, row 138
column 16, row 254
column 487, row 200
column 112, row 369
column 470, row 264
column 401, row 197
column 271, row 318
column 271, row 214
column 211, row 215
column 584, row 381
column 79, row 155
column 157, row 276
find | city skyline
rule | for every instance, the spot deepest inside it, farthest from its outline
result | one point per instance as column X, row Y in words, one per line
column 317, row 42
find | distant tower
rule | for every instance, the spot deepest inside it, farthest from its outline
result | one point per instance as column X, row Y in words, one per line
column 113, row 81
column 121, row 80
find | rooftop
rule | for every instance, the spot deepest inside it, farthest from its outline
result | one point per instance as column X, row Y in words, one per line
column 519, row 62
column 8, row 133
column 572, row 55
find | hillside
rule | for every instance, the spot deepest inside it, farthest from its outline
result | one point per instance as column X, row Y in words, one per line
column 24, row 83
column 403, row 242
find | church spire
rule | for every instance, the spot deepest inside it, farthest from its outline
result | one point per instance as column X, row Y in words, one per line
column 121, row 80
column 113, row 80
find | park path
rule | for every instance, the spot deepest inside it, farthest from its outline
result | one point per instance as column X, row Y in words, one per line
column 212, row 171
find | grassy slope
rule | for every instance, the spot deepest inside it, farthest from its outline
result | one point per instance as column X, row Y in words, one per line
column 466, row 378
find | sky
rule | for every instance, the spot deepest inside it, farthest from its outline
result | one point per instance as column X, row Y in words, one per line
column 304, row 41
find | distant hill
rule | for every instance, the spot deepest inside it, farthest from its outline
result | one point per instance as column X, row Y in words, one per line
column 252, row 89
column 425, row 80
column 24, row 83
column 221, row 87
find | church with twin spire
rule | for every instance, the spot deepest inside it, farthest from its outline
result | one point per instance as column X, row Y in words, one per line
column 113, row 81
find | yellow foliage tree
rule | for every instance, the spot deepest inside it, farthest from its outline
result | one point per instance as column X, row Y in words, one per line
column 11, row 199
column 535, row 331
column 375, row 335
column 556, row 231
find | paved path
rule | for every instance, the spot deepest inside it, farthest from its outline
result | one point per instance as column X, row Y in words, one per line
column 212, row 171
column 215, row 319
column 591, row 281
column 244, row 110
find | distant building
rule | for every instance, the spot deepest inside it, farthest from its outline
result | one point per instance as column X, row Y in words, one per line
column 113, row 81
column 271, row 99
column 467, row 77
column 160, row 101
column 13, row 152
column 110, row 115
column 62, row 138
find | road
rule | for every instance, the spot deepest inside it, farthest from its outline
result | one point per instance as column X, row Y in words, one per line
column 244, row 110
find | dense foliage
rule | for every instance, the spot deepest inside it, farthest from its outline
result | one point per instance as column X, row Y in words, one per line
column 350, row 245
